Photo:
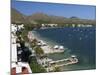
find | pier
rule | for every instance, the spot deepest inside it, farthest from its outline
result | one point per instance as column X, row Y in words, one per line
column 60, row 63
column 64, row 62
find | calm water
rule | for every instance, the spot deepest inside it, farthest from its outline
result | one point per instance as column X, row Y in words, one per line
column 77, row 41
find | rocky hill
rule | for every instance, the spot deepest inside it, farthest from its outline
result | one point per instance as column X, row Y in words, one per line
column 38, row 18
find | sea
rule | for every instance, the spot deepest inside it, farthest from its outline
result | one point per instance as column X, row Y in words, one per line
column 79, row 41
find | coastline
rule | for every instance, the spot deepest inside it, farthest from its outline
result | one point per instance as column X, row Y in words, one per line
column 52, row 55
column 48, row 49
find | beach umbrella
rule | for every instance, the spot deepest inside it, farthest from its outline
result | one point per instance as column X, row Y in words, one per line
column 56, row 47
column 43, row 43
column 61, row 47
column 39, row 44
column 73, row 56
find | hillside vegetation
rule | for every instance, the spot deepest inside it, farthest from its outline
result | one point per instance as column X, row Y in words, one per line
column 42, row 18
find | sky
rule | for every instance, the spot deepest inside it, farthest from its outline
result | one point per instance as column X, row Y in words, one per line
column 65, row 10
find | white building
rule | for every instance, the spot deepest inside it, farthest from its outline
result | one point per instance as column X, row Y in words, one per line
column 73, row 25
column 13, row 28
column 21, row 26
column 82, row 25
column 14, row 53
column 14, row 62
column 51, row 25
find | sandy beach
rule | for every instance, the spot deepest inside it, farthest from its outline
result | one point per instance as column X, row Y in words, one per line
column 47, row 48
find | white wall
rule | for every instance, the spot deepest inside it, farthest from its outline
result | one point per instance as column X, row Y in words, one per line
column 5, row 37
column 85, row 2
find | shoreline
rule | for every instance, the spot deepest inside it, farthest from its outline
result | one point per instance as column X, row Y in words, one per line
column 48, row 49
column 39, row 38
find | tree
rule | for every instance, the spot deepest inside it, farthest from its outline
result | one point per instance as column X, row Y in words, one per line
column 57, row 69
column 36, row 68
column 25, row 56
column 39, row 51
column 34, row 41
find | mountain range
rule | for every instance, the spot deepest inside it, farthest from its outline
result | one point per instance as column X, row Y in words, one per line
column 37, row 18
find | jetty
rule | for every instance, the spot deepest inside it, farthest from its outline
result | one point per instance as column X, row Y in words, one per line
column 64, row 62
column 50, row 64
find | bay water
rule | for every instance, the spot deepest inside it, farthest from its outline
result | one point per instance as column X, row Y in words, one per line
column 76, row 41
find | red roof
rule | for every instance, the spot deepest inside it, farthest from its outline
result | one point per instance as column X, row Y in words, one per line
column 24, row 71
column 13, row 71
